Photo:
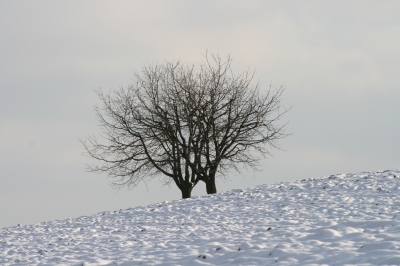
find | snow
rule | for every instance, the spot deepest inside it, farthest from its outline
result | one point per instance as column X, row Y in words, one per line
column 351, row 219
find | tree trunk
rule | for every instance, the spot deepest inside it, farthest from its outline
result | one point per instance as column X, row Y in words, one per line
column 210, row 186
column 186, row 192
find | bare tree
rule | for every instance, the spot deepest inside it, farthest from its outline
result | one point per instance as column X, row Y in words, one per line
column 186, row 123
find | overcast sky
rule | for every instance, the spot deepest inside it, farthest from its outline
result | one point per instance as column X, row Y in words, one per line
column 339, row 62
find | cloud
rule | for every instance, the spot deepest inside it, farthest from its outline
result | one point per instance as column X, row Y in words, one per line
column 338, row 60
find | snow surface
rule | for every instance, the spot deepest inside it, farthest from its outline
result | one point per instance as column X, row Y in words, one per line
column 336, row 220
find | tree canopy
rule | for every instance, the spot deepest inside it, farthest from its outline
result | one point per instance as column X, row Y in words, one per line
column 186, row 123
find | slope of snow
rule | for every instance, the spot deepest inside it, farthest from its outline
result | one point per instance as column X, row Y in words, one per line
column 336, row 220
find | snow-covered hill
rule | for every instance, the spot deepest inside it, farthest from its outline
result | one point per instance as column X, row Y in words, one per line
column 341, row 219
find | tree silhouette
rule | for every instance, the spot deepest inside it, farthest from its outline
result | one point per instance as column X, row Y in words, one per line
column 186, row 123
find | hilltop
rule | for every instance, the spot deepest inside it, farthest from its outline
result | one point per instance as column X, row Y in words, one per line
column 333, row 220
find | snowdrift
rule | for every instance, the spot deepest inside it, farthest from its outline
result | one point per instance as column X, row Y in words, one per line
column 334, row 220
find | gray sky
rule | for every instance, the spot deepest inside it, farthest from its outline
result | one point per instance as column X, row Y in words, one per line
column 339, row 60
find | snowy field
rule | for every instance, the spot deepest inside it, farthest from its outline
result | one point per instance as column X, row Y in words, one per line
column 351, row 219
